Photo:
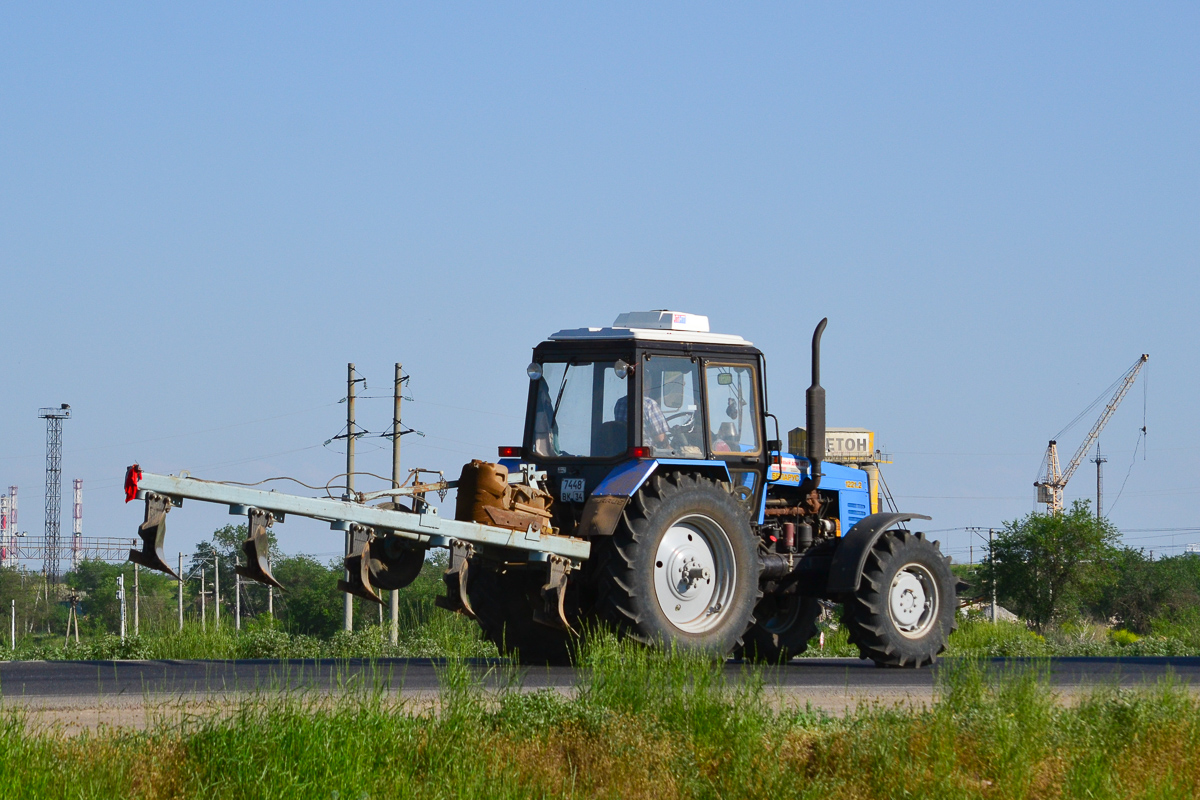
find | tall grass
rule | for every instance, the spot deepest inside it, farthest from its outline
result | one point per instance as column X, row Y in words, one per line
column 977, row 638
column 640, row 725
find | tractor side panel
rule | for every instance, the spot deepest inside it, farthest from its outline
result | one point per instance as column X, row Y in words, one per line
column 854, row 500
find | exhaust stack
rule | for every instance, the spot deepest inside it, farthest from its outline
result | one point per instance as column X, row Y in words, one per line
column 815, row 409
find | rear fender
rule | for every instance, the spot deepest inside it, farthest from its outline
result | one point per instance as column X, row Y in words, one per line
column 604, row 507
column 851, row 555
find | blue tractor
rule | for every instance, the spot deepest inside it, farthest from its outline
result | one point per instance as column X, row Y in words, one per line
column 650, row 441
column 646, row 496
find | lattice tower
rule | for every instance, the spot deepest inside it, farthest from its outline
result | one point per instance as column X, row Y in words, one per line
column 53, row 550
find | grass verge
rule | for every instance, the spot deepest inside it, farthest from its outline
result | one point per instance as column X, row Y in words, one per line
column 437, row 634
column 640, row 725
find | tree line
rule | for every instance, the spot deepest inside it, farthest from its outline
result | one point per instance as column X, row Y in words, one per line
column 310, row 604
column 1046, row 568
column 1049, row 568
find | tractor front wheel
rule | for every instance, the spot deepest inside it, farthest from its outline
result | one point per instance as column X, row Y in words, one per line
column 903, row 612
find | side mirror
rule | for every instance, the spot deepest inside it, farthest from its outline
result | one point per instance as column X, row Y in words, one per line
column 775, row 445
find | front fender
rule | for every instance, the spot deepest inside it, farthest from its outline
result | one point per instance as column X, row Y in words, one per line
column 851, row 555
column 603, row 508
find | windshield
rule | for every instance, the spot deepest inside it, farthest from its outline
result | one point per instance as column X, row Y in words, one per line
column 575, row 412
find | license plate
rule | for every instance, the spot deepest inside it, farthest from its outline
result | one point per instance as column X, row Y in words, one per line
column 571, row 490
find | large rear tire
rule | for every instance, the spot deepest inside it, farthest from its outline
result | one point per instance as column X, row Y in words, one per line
column 682, row 567
column 903, row 612
column 504, row 603
column 785, row 626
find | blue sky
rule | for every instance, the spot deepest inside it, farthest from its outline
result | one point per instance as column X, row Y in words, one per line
column 206, row 210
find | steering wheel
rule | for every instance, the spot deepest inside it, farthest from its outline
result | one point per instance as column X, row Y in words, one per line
column 679, row 414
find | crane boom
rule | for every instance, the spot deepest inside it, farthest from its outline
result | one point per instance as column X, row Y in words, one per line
column 1050, row 488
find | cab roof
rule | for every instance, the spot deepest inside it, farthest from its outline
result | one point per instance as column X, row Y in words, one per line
column 660, row 325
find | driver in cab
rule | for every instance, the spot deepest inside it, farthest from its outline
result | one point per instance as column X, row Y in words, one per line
column 656, row 427
column 655, row 430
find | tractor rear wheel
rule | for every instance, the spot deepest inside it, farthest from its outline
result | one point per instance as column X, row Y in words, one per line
column 903, row 612
column 504, row 605
column 681, row 568
column 784, row 628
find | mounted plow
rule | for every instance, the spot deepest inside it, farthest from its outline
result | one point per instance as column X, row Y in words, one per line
column 391, row 541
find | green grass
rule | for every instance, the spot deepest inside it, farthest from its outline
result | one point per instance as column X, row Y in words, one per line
column 978, row 638
column 640, row 725
column 441, row 634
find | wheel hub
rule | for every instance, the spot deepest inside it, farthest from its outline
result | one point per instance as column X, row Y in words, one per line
column 912, row 600
column 693, row 574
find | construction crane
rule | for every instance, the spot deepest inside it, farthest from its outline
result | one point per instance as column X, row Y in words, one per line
column 1050, row 486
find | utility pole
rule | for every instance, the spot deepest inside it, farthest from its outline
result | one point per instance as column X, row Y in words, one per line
column 216, row 592
column 203, row 610
column 395, row 598
column 12, row 631
column 137, row 628
column 77, row 521
column 121, row 597
column 992, row 560
column 348, row 608
column 72, row 617
column 270, row 595
column 237, row 600
column 1099, row 481
column 180, row 574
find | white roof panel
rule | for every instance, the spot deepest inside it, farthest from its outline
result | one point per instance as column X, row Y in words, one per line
column 663, row 320
column 659, row 325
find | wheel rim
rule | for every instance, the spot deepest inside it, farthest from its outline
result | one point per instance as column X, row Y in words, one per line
column 694, row 576
column 913, row 600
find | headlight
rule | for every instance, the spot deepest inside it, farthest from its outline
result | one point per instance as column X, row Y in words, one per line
column 534, row 371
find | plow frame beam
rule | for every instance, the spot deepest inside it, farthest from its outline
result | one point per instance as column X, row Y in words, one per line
column 426, row 528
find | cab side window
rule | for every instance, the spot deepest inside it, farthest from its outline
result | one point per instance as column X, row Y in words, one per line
column 732, row 409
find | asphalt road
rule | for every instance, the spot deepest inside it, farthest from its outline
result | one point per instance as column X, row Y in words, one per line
column 101, row 681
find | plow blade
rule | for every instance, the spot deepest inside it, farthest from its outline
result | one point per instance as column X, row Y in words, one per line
column 455, row 577
column 152, row 531
column 257, row 549
column 358, row 571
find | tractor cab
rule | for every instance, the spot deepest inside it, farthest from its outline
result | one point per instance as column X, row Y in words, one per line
column 655, row 387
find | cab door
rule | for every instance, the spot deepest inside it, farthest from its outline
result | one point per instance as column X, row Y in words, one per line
column 735, row 425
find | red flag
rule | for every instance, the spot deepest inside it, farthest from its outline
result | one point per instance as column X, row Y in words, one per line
column 132, row 476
